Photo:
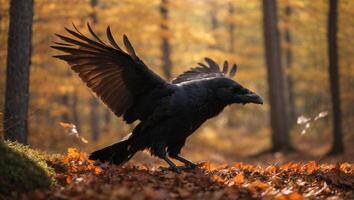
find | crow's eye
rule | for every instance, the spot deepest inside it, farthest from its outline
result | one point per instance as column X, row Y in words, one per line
column 236, row 89
column 245, row 91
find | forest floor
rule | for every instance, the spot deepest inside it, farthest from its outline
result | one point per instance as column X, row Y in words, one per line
column 79, row 178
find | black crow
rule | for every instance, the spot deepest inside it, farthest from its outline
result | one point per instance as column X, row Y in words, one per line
column 168, row 112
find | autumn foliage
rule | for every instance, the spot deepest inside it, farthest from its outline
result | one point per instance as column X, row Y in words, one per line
column 80, row 178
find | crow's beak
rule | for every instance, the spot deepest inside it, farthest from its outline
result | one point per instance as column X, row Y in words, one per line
column 252, row 98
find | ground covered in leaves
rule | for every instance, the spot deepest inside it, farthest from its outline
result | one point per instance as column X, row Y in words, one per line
column 79, row 178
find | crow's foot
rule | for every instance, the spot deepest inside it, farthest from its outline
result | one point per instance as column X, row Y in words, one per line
column 178, row 169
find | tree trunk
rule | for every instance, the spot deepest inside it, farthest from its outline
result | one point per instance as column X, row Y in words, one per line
column 231, row 29
column 94, row 119
column 214, row 22
column 94, row 115
column 165, row 43
column 277, row 98
column 18, row 69
column 337, row 146
column 231, row 32
column 288, row 65
column 65, row 101
column 107, row 120
column 74, row 110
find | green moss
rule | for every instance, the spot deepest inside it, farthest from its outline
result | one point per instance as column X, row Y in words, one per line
column 23, row 169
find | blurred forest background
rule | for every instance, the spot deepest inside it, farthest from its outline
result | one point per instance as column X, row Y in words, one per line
column 171, row 37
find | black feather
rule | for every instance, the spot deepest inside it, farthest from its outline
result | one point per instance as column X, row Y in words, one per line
column 129, row 47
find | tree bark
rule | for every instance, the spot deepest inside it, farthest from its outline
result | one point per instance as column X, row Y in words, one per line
column 288, row 65
column 94, row 119
column 18, row 69
column 214, row 23
column 94, row 115
column 337, row 146
column 231, row 29
column 165, row 43
column 75, row 112
column 65, row 101
column 277, row 98
column 231, row 32
column 107, row 120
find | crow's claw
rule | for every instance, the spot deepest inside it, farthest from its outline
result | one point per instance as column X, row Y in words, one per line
column 192, row 166
column 174, row 169
column 179, row 169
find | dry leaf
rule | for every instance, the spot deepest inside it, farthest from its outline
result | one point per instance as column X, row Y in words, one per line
column 239, row 179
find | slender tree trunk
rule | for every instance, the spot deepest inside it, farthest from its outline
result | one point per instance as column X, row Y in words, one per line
column 107, row 120
column 231, row 29
column 277, row 98
column 165, row 43
column 94, row 115
column 94, row 119
column 288, row 65
column 74, row 110
column 65, row 101
column 337, row 146
column 214, row 23
column 231, row 32
column 18, row 69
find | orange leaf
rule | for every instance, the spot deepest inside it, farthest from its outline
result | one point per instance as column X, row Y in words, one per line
column 271, row 169
column 286, row 166
column 291, row 196
column 69, row 179
column 311, row 167
column 257, row 184
column 98, row 170
column 346, row 167
column 66, row 125
column 281, row 197
column 73, row 152
column 238, row 165
column 295, row 196
column 217, row 179
column 209, row 166
column 239, row 179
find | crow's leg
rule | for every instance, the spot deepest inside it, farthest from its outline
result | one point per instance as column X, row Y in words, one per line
column 189, row 164
column 174, row 151
column 173, row 166
column 160, row 152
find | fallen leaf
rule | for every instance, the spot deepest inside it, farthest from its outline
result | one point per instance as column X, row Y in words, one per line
column 239, row 179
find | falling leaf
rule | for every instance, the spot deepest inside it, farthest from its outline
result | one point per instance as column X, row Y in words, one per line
column 302, row 119
column 307, row 125
column 83, row 140
column 71, row 129
column 321, row 115
column 307, row 121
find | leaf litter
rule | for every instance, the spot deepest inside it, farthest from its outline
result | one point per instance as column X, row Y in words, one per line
column 80, row 178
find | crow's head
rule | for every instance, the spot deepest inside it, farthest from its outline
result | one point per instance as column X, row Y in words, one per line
column 229, row 92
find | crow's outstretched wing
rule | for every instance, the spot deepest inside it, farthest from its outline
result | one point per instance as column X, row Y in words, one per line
column 211, row 70
column 117, row 77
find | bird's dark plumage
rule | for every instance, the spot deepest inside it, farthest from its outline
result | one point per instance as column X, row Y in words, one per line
column 168, row 111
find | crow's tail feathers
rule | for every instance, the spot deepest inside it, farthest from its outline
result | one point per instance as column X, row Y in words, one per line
column 117, row 153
